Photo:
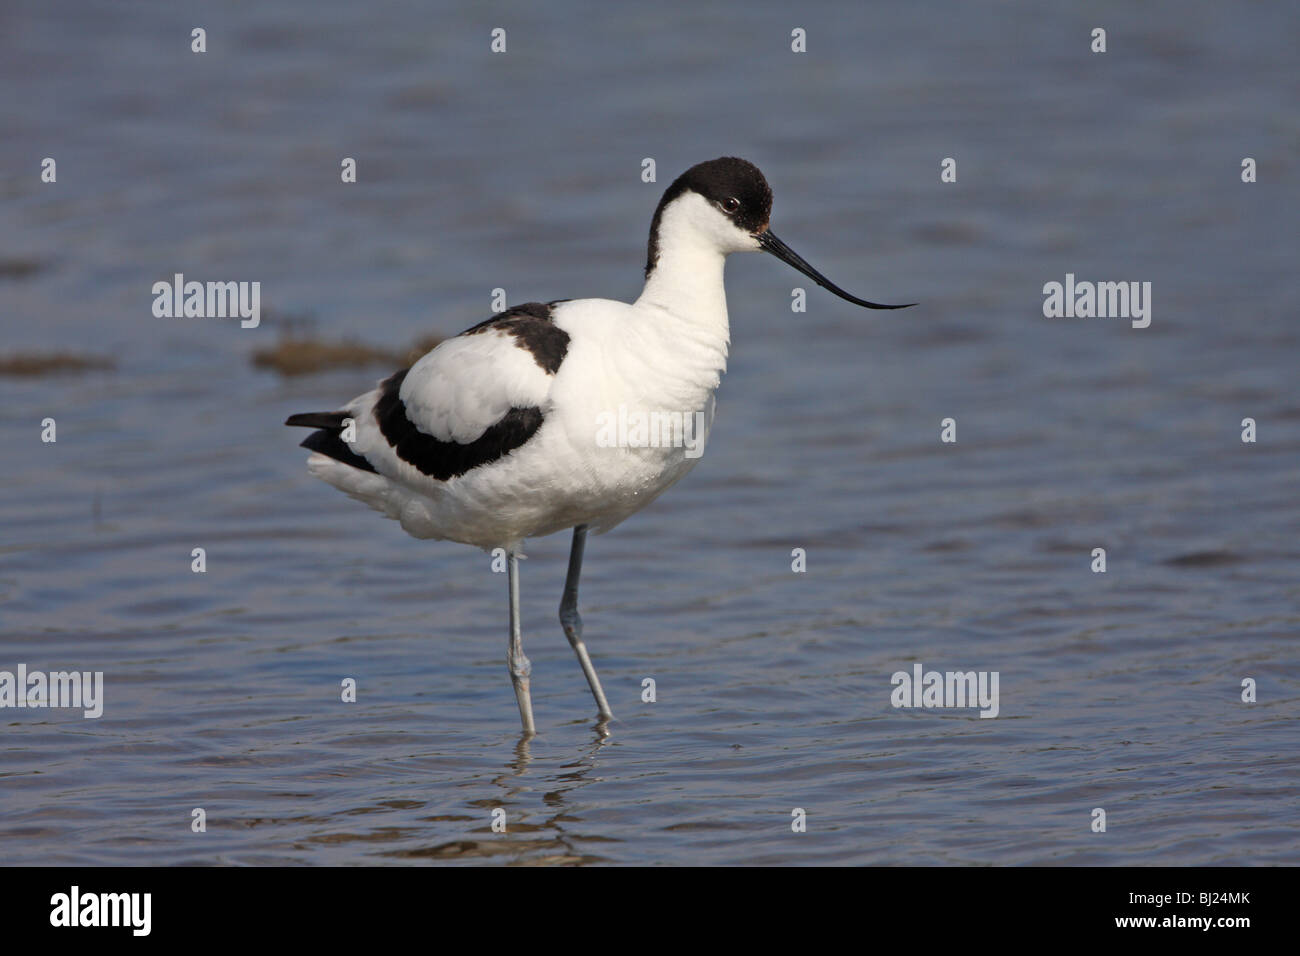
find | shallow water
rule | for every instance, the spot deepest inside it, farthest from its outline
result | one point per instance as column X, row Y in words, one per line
column 1117, row 690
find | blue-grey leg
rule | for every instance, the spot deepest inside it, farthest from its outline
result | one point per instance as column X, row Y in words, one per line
column 520, row 667
column 572, row 622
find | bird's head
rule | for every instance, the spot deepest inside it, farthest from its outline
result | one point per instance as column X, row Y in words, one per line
column 724, row 204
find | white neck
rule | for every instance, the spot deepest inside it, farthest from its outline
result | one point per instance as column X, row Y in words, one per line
column 687, row 282
column 684, row 293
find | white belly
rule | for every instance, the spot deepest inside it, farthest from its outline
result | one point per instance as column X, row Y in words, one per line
column 579, row 468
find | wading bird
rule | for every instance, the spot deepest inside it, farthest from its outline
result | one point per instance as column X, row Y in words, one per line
column 495, row 435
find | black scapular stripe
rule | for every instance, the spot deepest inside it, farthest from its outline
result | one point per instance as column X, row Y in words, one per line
column 448, row 459
column 533, row 330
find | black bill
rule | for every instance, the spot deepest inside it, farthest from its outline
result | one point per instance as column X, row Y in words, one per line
column 772, row 244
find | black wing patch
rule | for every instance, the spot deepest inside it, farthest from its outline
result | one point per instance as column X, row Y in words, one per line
column 448, row 459
column 533, row 330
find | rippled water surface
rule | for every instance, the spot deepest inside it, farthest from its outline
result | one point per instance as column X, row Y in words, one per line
column 522, row 171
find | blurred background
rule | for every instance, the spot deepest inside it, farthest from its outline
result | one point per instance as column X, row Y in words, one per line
column 522, row 171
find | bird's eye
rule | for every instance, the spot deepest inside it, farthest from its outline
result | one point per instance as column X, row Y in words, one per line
column 730, row 206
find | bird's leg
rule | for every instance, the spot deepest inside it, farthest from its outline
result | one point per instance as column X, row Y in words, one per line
column 520, row 667
column 572, row 622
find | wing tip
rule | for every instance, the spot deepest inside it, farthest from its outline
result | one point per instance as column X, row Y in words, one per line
column 329, row 444
column 326, row 420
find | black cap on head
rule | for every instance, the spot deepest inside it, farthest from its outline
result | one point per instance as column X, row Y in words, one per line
column 741, row 192
column 719, row 180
